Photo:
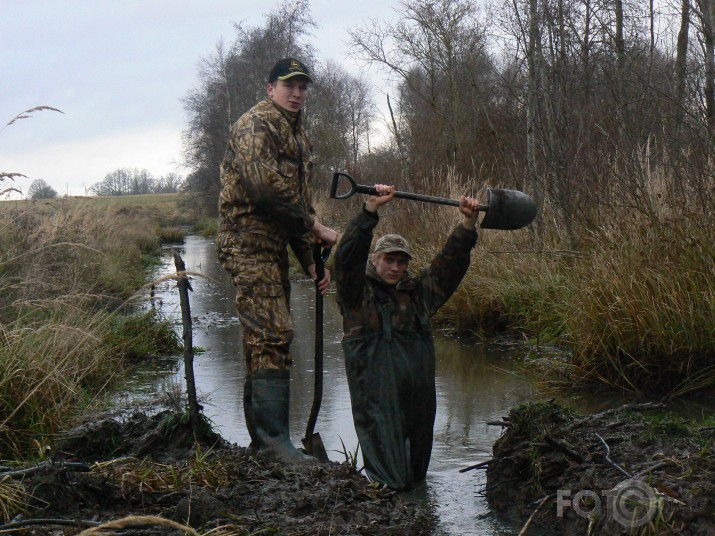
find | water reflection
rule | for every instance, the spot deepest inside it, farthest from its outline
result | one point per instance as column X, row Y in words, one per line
column 473, row 388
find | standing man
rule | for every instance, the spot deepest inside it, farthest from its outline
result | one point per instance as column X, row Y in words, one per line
column 389, row 353
column 264, row 207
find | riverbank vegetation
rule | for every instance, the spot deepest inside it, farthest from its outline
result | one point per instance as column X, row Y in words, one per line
column 71, row 318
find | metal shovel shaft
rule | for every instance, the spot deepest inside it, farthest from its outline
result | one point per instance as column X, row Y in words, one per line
column 356, row 188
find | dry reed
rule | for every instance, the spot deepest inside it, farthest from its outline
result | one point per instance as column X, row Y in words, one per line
column 66, row 273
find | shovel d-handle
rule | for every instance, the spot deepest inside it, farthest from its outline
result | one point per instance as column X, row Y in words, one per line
column 506, row 210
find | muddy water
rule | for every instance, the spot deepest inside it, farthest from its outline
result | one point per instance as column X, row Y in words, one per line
column 475, row 385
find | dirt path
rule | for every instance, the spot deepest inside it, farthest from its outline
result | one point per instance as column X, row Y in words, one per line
column 598, row 474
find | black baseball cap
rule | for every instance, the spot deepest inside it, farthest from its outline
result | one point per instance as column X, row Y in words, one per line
column 288, row 68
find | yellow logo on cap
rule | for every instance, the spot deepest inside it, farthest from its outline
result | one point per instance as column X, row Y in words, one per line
column 294, row 64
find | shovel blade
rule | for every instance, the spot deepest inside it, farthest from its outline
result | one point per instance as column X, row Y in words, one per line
column 508, row 210
column 313, row 445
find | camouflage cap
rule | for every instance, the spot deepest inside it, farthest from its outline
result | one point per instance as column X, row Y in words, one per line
column 392, row 243
column 287, row 68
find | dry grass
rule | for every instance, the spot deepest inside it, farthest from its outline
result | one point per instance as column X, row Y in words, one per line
column 68, row 269
column 139, row 523
column 68, row 272
column 10, row 176
column 46, row 368
column 641, row 311
column 137, row 477
column 164, row 209
column 13, row 498
column 28, row 113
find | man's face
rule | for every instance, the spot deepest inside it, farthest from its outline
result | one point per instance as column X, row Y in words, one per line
column 390, row 267
column 289, row 94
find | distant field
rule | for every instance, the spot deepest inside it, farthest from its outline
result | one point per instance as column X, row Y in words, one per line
column 108, row 201
column 168, row 209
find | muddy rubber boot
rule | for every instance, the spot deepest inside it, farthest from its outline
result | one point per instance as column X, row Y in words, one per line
column 270, row 391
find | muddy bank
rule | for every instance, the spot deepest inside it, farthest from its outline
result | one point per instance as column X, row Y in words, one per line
column 634, row 466
column 149, row 466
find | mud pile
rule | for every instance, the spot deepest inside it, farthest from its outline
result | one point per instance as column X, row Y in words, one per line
column 150, row 466
column 635, row 469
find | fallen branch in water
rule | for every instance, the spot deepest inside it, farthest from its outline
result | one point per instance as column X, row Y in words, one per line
column 504, row 423
column 477, row 466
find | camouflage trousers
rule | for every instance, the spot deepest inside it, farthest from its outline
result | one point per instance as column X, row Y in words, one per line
column 258, row 266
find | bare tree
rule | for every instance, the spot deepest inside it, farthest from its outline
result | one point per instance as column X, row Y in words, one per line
column 707, row 17
column 339, row 113
column 681, row 60
column 39, row 189
column 125, row 181
column 532, row 106
column 436, row 52
column 168, row 184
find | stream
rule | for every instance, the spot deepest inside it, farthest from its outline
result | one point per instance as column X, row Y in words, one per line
column 476, row 384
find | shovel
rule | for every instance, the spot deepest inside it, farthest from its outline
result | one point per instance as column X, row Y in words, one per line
column 505, row 209
column 312, row 442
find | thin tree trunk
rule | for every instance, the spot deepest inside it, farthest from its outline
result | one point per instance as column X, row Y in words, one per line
column 709, row 89
column 620, row 54
column 681, row 73
column 532, row 97
column 681, row 59
column 398, row 139
column 651, row 50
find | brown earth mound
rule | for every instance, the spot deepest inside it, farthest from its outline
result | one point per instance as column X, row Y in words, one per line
column 632, row 470
column 127, row 472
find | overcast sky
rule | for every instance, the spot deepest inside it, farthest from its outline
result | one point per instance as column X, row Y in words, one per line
column 118, row 69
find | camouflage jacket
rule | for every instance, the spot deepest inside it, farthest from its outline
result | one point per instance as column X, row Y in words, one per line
column 265, row 178
column 362, row 294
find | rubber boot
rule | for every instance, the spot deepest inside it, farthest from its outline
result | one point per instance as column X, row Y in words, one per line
column 269, row 393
